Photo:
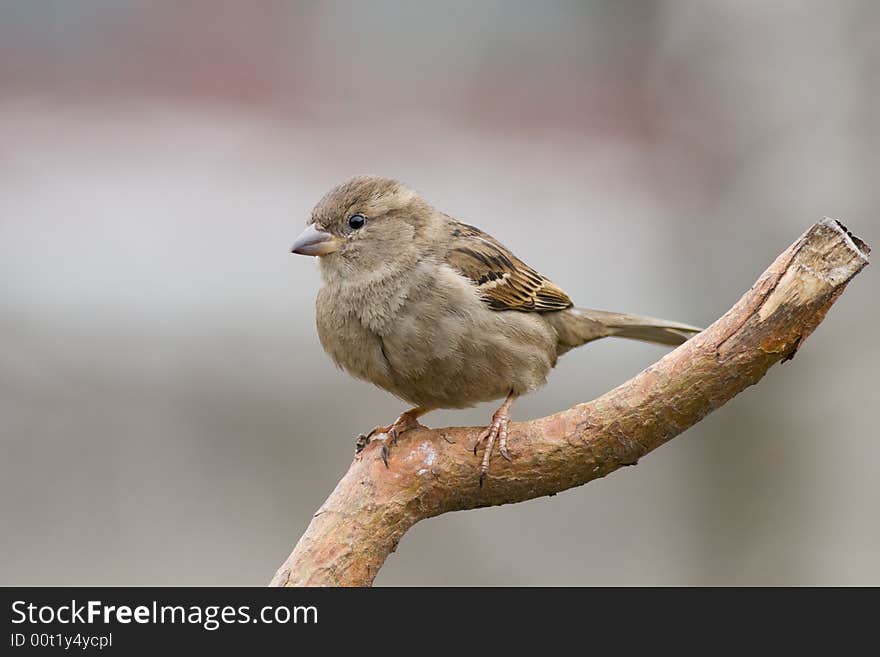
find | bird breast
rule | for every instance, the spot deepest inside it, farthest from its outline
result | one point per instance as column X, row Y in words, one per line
column 427, row 337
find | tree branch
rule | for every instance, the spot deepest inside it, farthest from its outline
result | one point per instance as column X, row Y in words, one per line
column 433, row 471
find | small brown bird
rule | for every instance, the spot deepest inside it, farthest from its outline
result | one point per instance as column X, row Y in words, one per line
column 439, row 313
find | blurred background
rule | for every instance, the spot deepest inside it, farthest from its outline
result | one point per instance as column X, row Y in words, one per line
column 167, row 414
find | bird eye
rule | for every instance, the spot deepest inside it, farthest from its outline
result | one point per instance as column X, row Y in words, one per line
column 356, row 221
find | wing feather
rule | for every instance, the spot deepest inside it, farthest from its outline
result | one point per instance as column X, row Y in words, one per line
column 505, row 282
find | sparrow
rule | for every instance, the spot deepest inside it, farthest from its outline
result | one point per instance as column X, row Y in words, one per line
column 440, row 313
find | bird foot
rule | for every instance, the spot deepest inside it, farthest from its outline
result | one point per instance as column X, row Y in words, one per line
column 402, row 424
column 497, row 430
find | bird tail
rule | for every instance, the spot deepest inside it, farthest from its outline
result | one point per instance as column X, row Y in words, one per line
column 577, row 326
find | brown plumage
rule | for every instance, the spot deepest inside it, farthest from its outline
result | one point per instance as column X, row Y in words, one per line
column 439, row 313
column 504, row 281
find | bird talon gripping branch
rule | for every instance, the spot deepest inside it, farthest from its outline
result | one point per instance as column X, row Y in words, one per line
column 406, row 421
column 440, row 313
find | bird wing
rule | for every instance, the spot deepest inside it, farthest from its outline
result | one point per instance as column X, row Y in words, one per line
column 504, row 281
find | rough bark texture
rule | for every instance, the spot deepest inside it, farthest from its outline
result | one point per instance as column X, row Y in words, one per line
column 433, row 471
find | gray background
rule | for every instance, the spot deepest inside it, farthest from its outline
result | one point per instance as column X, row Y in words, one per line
column 167, row 414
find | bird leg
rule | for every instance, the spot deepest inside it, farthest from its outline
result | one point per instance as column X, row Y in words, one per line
column 496, row 430
column 405, row 421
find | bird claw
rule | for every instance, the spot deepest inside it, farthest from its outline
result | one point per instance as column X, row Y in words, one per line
column 495, row 431
column 365, row 439
column 391, row 434
column 402, row 424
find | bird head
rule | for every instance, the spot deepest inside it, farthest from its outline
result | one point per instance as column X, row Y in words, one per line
column 365, row 225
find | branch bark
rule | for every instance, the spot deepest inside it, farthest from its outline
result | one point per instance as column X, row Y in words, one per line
column 434, row 471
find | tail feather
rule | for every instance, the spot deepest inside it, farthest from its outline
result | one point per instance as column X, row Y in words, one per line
column 647, row 329
column 578, row 326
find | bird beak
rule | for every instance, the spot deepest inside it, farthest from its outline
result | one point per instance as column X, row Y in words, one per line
column 314, row 242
